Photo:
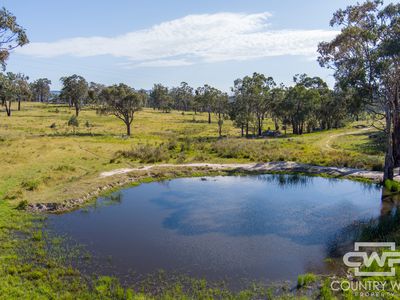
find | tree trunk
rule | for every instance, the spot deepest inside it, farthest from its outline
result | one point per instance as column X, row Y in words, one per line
column 389, row 161
column 76, row 110
column 128, row 129
column 19, row 104
column 220, row 122
column 242, row 130
column 247, row 129
column 259, row 126
column 209, row 117
column 8, row 108
column 276, row 125
column 294, row 128
column 396, row 128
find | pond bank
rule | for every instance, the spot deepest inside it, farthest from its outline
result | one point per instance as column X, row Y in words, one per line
column 132, row 176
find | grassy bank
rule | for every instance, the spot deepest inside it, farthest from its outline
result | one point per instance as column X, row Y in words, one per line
column 34, row 265
column 44, row 160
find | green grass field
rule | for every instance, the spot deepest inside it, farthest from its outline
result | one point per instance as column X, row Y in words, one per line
column 44, row 160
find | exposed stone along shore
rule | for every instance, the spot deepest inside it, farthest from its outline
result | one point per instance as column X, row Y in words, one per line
column 269, row 167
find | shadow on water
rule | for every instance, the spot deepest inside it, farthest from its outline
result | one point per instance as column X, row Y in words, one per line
column 384, row 228
column 256, row 227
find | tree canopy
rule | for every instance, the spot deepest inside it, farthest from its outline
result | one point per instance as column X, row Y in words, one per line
column 365, row 57
column 12, row 35
column 75, row 89
column 123, row 102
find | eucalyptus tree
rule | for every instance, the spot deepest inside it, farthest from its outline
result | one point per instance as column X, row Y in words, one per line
column 242, row 108
column 12, row 35
column 253, row 100
column 160, row 98
column 221, row 109
column 365, row 57
column 121, row 101
column 22, row 88
column 207, row 96
column 75, row 88
column 40, row 89
column 278, row 114
column 7, row 92
column 145, row 96
column 94, row 91
column 301, row 102
column 257, row 90
column 183, row 96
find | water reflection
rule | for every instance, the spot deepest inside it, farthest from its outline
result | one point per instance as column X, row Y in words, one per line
column 384, row 228
column 284, row 180
column 298, row 215
column 265, row 227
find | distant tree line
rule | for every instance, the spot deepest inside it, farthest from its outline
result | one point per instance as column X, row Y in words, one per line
column 365, row 58
column 306, row 106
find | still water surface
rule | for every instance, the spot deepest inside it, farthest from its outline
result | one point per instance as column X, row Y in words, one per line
column 262, row 228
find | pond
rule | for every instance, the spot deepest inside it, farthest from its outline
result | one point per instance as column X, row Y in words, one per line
column 233, row 228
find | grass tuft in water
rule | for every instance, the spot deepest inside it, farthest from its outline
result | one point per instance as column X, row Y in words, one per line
column 306, row 279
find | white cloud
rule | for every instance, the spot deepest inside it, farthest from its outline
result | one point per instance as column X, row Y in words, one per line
column 192, row 39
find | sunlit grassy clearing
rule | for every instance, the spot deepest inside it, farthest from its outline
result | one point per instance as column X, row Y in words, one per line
column 44, row 161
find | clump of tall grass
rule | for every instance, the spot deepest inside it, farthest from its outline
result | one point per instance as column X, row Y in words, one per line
column 306, row 279
column 31, row 184
column 235, row 148
column 392, row 186
column 22, row 205
column 146, row 153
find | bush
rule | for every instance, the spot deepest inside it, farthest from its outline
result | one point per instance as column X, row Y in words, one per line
column 305, row 279
column 73, row 121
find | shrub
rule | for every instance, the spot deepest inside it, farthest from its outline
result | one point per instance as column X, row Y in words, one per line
column 73, row 121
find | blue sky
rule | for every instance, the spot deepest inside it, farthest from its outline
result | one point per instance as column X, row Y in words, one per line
column 168, row 41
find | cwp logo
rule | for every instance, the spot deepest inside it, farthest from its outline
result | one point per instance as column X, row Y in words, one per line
column 386, row 259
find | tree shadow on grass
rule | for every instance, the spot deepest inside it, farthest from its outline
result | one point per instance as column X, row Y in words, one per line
column 375, row 144
column 77, row 134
